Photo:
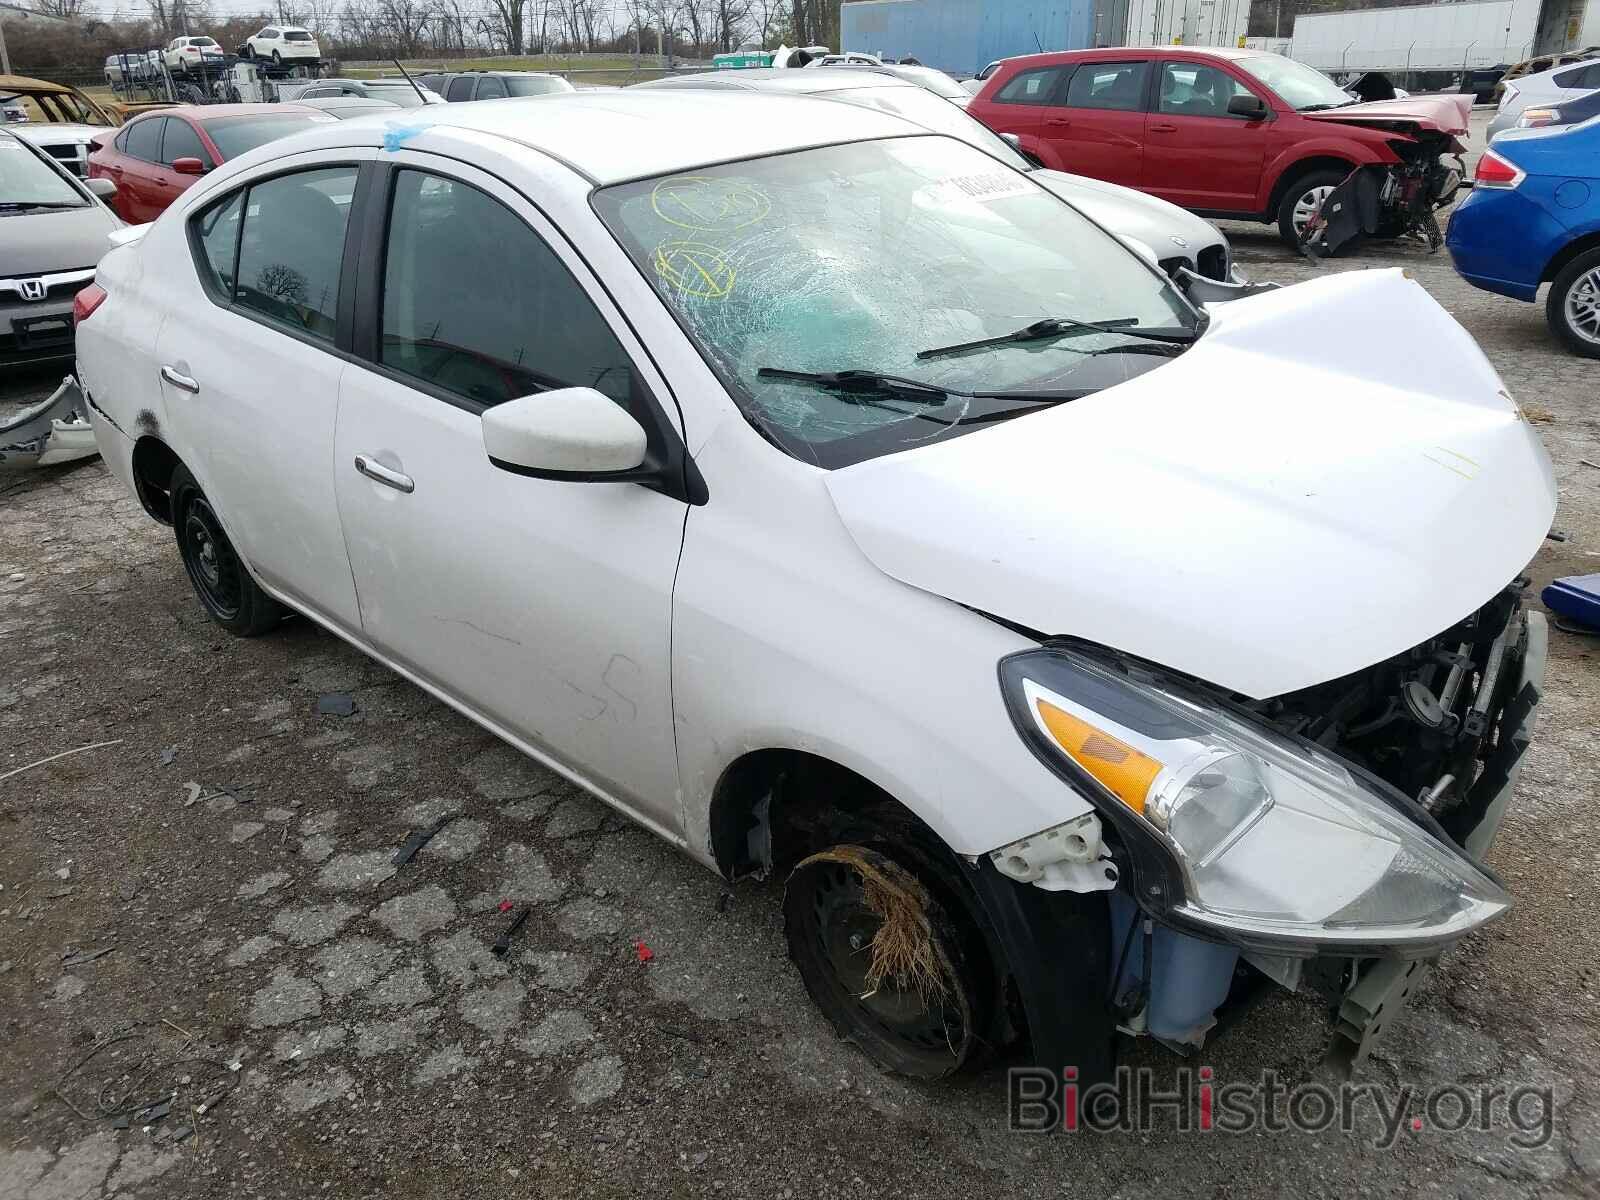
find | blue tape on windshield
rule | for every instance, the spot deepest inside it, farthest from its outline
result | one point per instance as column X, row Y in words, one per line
column 395, row 136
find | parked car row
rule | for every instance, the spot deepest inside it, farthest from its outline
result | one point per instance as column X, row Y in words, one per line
column 746, row 441
column 459, row 86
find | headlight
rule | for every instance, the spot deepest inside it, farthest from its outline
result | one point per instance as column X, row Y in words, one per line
column 1270, row 841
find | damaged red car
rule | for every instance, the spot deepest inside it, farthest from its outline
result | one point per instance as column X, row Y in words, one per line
column 1236, row 134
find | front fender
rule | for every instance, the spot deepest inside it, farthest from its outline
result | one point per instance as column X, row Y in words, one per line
column 1347, row 150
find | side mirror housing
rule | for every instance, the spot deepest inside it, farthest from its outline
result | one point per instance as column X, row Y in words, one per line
column 1014, row 140
column 569, row 433
column 104, row 188
column 188, row 165
column 1253, row 107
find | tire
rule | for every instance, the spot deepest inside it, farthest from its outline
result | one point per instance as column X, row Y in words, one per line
column 229, row 595
column 830, row 929
column 1573, row 306
column 1299, row 192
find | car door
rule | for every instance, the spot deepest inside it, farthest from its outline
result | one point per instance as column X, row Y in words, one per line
column 138, row 194
column 179, row 139
column 542, row 606
column 250, row 369
column 1196, row 153
column 1023, row 102
column 1098, row 129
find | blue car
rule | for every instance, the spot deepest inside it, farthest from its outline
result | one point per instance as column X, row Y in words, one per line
column 1534, row 217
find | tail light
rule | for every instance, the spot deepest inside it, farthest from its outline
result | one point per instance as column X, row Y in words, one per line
column 86, row 301
column 1533, row 118
column 1495, row 172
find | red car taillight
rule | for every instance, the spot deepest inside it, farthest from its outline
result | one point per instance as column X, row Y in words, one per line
column 86, row 301
column 1495, row 172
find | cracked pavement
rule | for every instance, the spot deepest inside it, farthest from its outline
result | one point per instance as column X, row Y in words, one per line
column 383, row 1050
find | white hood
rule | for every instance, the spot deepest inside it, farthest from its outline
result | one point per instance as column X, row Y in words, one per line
column 1331, row 475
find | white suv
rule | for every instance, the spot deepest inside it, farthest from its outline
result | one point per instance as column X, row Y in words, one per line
column 182, row 53
column 282, row 43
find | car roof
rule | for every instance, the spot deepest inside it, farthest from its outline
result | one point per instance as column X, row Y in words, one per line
column 1552, row 72
column 609, row 137
column 1134, row 53
column 220, row 112
column 782, row 79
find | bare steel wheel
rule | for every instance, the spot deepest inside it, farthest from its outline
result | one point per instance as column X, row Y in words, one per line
column 230, row 597
column 1573, row 307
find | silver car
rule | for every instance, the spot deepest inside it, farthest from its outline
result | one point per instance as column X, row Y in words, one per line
column 1546, row 88
column 1172, row 236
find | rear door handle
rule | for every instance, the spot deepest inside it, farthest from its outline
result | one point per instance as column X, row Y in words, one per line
column 178, row 379
column 1058, row 120
column 1163, row 128
column 379, row 473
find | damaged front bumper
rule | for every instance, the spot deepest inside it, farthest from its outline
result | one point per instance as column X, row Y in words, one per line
column 53, row 431
column 1379, row 988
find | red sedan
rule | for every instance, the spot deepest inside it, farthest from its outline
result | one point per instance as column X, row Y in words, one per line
column 1227, row 133
column 154, row 157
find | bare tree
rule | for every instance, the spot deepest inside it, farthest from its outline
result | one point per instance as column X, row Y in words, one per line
column 507, row 18
column 68, row 9
column 406, row 23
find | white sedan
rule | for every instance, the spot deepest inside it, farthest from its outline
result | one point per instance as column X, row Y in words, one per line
column 832, row 499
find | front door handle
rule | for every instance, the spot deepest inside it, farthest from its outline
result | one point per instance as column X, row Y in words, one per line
column 1058, row 121
column 379, row 473
column 1163, row 128
column 178, row 379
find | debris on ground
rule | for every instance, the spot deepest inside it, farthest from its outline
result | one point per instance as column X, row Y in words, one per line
column 502, row 944
column 643, row 951
column 336, row 704
column 76, row 958
column 168, row 756
column 419, row 839
column 64, row 754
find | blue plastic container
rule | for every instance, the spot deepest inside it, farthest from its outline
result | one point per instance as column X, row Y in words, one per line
column 1577, row 596
column 1191, row 977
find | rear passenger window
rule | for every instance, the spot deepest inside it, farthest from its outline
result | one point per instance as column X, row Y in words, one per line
column 460, row 89
column 144, row 139
column 217, row 232
column 475, row 303
column 286, row 236
column 1031, row 87
column 491, row 88
column 1117, row 86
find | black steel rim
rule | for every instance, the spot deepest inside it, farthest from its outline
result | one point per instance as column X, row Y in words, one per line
column 213, row 566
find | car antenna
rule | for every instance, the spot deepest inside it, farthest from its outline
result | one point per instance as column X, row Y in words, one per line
column 411, row 81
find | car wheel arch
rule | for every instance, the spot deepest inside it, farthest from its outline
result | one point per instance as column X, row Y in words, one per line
column 1573, row 249
column 1299, row 169
column 153, row 465
column 766, row 801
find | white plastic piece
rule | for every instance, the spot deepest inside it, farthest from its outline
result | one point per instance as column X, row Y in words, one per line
column 1065, row 858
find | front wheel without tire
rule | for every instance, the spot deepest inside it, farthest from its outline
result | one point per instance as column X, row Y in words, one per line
column 1301, row 199
column 1573, row 306
column 230, row 597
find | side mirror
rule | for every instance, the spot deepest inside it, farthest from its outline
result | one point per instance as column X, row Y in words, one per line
column 569, row 433
column 1253, row 107
column 104, row 188
column 188, row 166
column 1014, row 140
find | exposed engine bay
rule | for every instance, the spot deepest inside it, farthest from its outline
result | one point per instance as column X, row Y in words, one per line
column 1391, row 200
column 1424, row 721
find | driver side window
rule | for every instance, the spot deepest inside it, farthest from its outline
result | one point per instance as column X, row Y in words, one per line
column 477, row 305
column 1193, row 90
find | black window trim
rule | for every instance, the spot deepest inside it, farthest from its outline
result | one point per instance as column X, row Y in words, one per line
column 343, row 305
column 668, row 467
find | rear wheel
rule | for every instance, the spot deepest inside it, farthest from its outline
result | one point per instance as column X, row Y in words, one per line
column 1573, row 306
column 229, row 595
column 1301, row 199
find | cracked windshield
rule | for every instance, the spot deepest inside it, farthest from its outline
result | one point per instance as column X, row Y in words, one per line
column 840, row 291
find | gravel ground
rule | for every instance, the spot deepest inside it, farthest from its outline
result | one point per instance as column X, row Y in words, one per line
column 231, row 851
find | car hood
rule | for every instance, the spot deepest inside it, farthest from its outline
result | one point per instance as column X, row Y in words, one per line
column 1148, row 219
column 1331, row 475
column 48, row 133
column 1441, row 114
column 42, row 243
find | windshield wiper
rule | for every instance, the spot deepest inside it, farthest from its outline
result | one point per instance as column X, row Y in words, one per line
column 1054, row 327
column 873, row 383
column 28, row 204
